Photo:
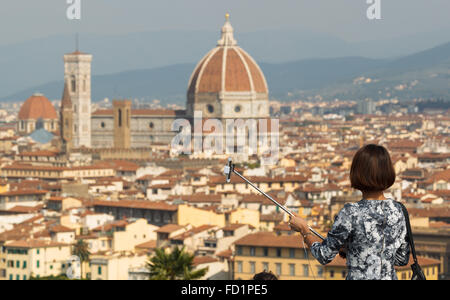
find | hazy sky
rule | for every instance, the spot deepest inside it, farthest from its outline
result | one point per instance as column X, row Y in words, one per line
column 22, row 20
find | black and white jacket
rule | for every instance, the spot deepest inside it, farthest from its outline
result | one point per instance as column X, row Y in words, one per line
column 374, row 232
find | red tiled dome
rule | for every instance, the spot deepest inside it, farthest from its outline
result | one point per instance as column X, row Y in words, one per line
column 227, row 68
column 37, row 107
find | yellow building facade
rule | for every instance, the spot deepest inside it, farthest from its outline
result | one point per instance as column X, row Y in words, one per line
column 282, row 255
column 25, row 259
column 198, row 217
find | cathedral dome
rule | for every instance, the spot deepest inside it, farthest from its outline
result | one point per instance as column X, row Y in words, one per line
column 37, row 107
column 227, row 68
column 228, row 83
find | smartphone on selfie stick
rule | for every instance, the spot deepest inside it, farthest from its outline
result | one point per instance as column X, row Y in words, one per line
column 229, row 169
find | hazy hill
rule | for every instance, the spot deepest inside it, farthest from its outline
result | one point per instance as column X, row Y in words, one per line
column 424, row 74
column 40, row 61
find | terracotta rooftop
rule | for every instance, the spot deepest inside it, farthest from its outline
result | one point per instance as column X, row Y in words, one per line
column 270, row 239
column 199, row 260
column 240, row 73
column 111, row 226
column 147, row 245
column 193, row 231
column 60, row 228
column 24, row 192
column 37, row 107
column 137, row 205
column 39, row 153
column 33, row 244
column 169, row 228
column 233, row 227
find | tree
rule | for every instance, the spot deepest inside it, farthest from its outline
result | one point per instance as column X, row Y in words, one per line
column 81, row 250
column 177, row 265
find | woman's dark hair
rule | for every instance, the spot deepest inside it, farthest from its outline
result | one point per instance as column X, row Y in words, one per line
column 265, row 276
column 372, row 169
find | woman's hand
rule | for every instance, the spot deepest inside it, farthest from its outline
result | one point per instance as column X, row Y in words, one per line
column 298, row 224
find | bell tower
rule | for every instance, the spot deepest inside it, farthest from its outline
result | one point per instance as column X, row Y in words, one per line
column 66, row 125
column 77, row 76
column 122, row 124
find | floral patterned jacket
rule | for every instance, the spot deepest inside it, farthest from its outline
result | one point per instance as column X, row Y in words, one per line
column 374, row 233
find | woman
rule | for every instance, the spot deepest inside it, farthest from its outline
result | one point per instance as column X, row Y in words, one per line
column 372, row 230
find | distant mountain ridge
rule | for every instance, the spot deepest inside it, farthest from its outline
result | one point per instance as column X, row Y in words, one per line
column 40, row 61
column 424, row 74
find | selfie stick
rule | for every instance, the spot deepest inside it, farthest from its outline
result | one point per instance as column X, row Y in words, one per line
column 230, row 169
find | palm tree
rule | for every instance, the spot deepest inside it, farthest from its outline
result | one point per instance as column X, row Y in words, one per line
column 177, row 265
column 81, row 250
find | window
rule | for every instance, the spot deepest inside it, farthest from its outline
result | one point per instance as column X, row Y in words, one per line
column 252, row 251
column 237, row 108
column 266, row 251
column 18, row 264
column 265, row 266
column 278, row 269
column 278, row 252
column 305, row 270
column 24, row 266
column 292, row 253
column 120, row 117
column 74, row 84
column 291, row 269
column 24, row 277
column 11, row 277
column 210, row 108
column 239, row 266
column 344, row 274
column 252, row 267
column 99, row 271
column 319, row 271
column 37, row 264
column 239, row 250
column 151, row 125
column 331, row 273
column 17, row 277
column 102, row 125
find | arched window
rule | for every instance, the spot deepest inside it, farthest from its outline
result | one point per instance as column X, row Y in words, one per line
column 120, row 117
column 73, row 84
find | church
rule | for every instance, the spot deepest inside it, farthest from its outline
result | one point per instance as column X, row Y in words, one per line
column 227, row 83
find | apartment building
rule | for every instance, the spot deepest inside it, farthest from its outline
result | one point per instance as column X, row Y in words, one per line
column 35, row 258
column 283, row 255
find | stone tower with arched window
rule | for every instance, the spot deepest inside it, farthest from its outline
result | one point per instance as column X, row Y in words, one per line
column 122, row 124
column 77, row 76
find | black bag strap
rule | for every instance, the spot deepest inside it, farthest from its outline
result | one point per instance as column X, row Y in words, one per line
column 408, row 228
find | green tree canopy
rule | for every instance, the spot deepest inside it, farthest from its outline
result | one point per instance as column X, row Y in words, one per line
column 176, row 265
